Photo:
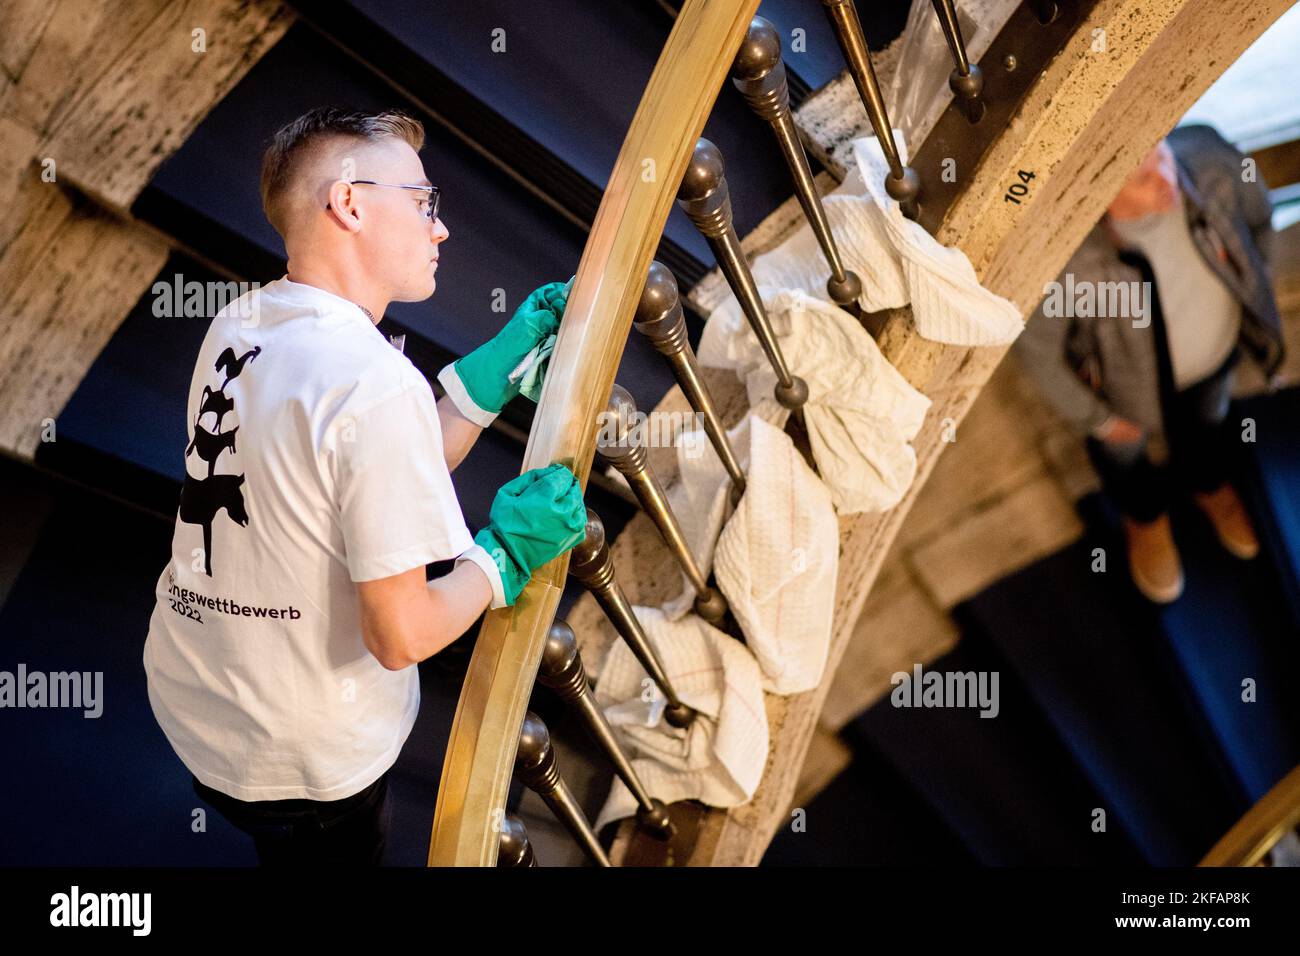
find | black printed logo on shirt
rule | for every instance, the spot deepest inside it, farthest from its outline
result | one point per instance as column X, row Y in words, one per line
column 202, row 498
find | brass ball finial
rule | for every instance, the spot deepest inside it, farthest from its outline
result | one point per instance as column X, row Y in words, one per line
column 845, row 292
column 704, row 172
column 589, row 548
column 659, row 295
column 655, row 819
column 903, row 188
column 618, row 441
column 760, row 51
column 679, row 715
column 513, row 848
column 560, row 650
column 534, row 745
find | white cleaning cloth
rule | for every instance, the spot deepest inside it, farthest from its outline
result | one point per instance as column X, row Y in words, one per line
column 777, row 556
column 776, row 562
column 719, row 759
column 897, row 260
column 861, row 412
column 948, row 302
column 531, row 370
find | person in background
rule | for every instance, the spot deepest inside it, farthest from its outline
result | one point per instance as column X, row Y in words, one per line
column 1150, row 387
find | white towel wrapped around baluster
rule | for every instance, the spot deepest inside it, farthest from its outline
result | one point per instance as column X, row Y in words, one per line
column 861, row 416
column 948, row 302
column 861, row 413
column 777, row 556
column 719, row 759
column 776, row 561
column 896, row 259
column 700, row 499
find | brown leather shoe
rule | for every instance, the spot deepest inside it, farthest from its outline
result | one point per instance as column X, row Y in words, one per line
column 1153, row 559
column 1232, row 523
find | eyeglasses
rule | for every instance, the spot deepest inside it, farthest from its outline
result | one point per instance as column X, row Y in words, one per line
column 430, row 212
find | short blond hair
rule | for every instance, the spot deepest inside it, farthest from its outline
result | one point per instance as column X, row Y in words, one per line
column 295, row 141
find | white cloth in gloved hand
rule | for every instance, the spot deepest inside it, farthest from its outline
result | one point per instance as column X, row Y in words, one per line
column 896, row 259
column 720, row 758
column 861, row 412
column 531, row 370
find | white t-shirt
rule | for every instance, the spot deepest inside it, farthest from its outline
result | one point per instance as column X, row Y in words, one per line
column 318, row 463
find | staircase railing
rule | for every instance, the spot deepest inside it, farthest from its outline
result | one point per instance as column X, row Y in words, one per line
column 471, row 811
column 1255, row 834
column 663, row 157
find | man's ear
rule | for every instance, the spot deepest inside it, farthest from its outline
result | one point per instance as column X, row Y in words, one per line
column 342, row 205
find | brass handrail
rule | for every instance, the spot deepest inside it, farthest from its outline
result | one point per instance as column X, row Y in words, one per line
column 1251, row 837
column 598, row 316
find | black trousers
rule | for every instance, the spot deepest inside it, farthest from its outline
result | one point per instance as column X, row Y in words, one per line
column 1200, row 449
column 347, row 832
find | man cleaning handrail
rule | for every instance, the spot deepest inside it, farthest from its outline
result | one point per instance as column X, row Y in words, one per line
column 280, row 650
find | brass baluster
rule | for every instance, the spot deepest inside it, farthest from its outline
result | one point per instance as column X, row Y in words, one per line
column 659, row 318
column 902, row 183
column 513, row 848
column 626, row 451
column 593, row 566
column 562, row 671
column 966, row 81
column 537, row 768
column 703, row 196
column 760, row 75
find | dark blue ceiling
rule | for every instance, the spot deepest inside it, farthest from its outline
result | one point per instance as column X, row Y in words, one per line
column 566, row 88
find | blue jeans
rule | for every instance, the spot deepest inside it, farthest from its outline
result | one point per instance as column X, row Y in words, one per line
column 347, row 832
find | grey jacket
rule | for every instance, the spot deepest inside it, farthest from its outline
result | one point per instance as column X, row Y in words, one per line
column 1092, row 367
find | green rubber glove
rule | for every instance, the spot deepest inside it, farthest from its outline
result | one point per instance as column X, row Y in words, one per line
column 534, row 518
column 480, row 383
